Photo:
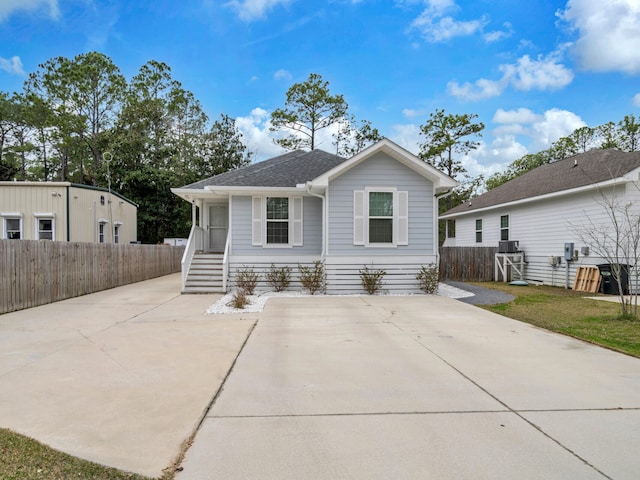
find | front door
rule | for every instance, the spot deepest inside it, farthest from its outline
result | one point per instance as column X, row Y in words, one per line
column 218, row 227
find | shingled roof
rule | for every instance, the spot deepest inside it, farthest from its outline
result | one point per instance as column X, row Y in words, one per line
column 577, row 171
column 286, row 170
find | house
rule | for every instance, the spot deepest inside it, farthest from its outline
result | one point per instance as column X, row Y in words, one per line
column 545, row 213
column 377, row 209
column 64, row 211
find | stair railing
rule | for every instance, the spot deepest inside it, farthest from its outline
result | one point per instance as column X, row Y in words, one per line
column 225, row 262
column 194, row 243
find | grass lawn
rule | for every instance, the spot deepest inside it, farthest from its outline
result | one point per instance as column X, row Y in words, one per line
column 22, row 458
column 568, row 312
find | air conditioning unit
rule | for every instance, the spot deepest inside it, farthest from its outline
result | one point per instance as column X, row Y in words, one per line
column 555, row 261
column 508, row 246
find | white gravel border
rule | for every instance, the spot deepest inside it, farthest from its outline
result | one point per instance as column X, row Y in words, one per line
column 257, row 302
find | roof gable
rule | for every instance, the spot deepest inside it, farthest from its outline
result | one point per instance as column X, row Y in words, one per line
column 439, row 179
column 590, row 168
column 286, row 170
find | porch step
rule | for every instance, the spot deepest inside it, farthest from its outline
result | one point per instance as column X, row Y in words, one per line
column 205, row 274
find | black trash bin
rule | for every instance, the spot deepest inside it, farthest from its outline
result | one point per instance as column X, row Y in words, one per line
column 609, row 285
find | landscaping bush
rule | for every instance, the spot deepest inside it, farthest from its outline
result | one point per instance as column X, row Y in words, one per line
column 313, row 279
column 279, row 277
column 239, row 300
column 371, row 280
column 428, row 278
column 247, row 280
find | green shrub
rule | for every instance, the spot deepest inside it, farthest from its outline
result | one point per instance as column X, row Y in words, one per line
column 279, row 277
column 239, row 300
column 313, row 279
column 247, row 280
column 428, row 278
column 371, row 280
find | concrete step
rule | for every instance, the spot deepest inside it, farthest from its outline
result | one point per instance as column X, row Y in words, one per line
column 207, row 289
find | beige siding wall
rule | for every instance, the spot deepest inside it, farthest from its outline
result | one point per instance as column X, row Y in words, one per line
column 88, row 207
column 28, row 200
column 32, row 198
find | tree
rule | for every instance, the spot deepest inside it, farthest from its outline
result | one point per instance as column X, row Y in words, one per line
column 629, row 133
column 352, row 139
column 617, row 241
column 308, row 109
column 223, row 149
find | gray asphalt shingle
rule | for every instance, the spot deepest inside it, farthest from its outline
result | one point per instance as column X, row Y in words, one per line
column 286, row 170
column 577, row 171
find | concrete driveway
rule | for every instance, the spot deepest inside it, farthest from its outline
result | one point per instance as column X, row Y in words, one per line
column 121, row 377
column 417, row 388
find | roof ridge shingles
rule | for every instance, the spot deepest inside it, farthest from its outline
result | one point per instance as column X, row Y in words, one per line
column 572, row 172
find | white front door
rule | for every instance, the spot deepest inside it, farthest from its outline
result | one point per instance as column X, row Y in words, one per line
column 218, row 227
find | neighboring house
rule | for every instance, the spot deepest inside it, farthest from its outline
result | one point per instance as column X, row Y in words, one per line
column 64, row 211
column 378, row 208
column 547, row 208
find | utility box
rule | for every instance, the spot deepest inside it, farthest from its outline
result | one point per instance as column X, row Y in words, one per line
column 508, row 246
column 568, row 251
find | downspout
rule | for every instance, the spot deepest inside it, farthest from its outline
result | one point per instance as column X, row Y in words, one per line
column 68, row 216
column 325, row 226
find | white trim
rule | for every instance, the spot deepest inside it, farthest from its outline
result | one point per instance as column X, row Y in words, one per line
column 5, row 231
column 45, row 216
column 257, row 221
column 399, row 220
column 11, row 214
column 103, row 220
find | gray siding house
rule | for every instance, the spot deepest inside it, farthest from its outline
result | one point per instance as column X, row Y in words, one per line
column 377, row 209
column 548, row 208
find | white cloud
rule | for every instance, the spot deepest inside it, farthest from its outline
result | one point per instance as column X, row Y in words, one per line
column 412, row 113
column 521, row 115
column 436, row 27
column 407, row 136
column 282, row 75
column 249, row 10
column 636, row 100
column 256, row 134
column 555, row 124
column 608, row 33
column 498, row 35
column 7, row 7
column 478, row 90
column 12, row 65
column 543, row 73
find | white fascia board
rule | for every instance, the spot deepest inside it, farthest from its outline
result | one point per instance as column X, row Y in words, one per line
column 35, row 184
column 561, row 193
column 224, row 190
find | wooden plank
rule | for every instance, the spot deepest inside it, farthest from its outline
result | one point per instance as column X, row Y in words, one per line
column 587, row 279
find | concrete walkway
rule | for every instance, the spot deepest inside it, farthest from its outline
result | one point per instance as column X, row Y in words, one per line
column 417, row 387
column 121, row 377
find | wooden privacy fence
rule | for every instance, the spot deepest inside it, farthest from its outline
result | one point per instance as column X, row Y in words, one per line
column 36, row 272
column 467, row 264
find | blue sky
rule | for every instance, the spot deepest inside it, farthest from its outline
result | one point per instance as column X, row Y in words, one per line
column 532, row 71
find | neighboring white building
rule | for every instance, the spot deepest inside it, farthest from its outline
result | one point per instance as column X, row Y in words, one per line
column 64, row 211
column 545, row 209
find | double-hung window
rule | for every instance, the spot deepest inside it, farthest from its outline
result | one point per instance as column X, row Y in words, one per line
column 380, row 217
column 504, row 227
column 102, row 229
column 479, row 230
column 13, row 227
column 276, row 221
column 116, row 233
column 45, row 226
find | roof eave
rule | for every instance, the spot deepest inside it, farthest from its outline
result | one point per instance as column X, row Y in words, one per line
column 561, row 193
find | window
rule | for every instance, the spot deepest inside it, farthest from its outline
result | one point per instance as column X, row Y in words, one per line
column 101, row 231
column 276, row 221
column 380, row 217
column 504, row 227
column 479, row 230
column 116, row 233
column 451, row 229
column 45, row 226
column 13, row 228
column 101, row 199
